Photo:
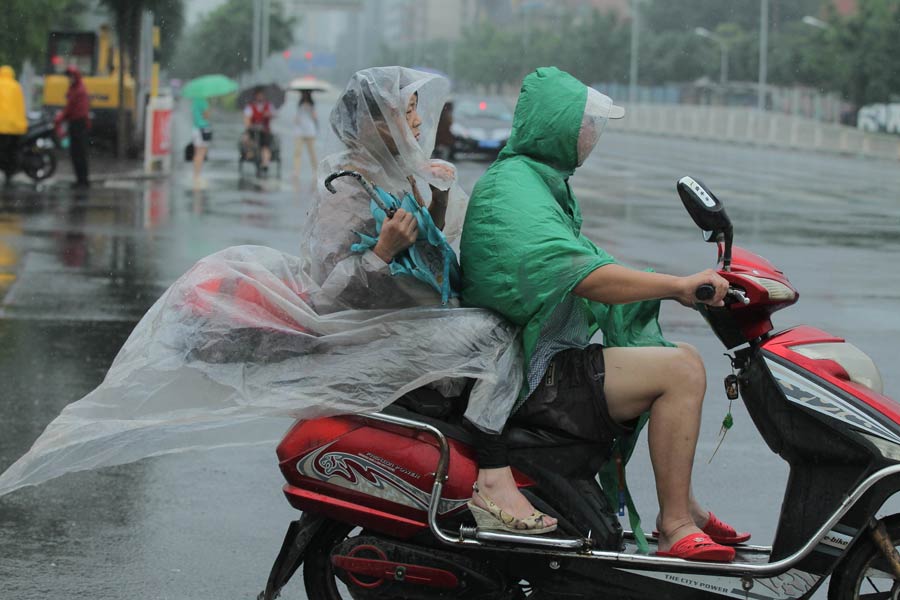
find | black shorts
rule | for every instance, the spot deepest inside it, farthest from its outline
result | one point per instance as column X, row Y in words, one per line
column 265, row 139
column 570, row 398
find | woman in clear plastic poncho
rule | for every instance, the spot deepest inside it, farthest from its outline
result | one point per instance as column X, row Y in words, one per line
column 251, row 332
column 386, row 120
column 383, row 126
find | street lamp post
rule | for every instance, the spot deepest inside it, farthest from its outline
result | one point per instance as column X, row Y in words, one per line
column 723, row 52
column 254, row 51
column 635, row 35
column 763, row 53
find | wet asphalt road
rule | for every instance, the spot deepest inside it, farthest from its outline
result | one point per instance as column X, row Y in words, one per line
column 76, row 273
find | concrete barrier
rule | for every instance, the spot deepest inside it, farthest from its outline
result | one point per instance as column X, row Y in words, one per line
column 749, row 126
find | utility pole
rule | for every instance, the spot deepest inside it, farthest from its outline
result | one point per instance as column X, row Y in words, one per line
column 254, row 53
column 635, row 44
column 763, row 53
column 266, row 20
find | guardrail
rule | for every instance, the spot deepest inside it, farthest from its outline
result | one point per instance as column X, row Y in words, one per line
column 749, row 126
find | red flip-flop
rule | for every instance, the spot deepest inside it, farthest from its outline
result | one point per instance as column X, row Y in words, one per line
column 699, row 546
column 721, row 532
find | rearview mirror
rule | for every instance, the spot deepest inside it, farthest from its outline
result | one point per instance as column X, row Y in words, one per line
column 704, row 208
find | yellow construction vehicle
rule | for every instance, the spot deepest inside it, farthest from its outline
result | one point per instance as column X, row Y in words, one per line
column 96, row 57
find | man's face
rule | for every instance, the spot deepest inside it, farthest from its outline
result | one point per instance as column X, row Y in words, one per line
column 587, row 138
column 259, row 97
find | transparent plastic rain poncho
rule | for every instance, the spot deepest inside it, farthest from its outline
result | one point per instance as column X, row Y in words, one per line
column 251, row 332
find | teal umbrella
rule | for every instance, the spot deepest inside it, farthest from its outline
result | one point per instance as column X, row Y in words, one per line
column 208, row 86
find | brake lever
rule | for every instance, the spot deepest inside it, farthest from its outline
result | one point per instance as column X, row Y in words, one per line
column 737, row 295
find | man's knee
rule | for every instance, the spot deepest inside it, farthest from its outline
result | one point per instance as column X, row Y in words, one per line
column 687, row 369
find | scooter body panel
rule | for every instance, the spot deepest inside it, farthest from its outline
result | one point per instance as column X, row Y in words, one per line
column 371, row 471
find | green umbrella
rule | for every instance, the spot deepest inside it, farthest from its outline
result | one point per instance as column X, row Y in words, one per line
column 208, row 86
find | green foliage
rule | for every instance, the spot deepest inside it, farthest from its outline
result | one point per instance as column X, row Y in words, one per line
column 26, row 24
column 221, row 42
column 866, row 47
column 169, row 16
column 855, row 55
column 685, row 15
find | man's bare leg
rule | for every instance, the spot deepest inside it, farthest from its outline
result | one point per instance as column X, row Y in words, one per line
column 670, row 383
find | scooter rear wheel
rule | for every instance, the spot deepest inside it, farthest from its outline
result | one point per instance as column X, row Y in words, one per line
column 864, row 574
column 318, row 574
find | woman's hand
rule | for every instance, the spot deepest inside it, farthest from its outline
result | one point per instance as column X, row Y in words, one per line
column 397, row 234
column 689, row 285
column 442, row 170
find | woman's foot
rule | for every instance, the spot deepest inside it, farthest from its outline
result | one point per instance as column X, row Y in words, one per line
column 499, row 486
column 494, row 518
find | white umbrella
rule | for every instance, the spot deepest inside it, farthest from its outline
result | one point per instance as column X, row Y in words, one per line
column 309, row 84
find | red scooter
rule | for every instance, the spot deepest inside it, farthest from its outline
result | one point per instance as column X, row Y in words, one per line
column 384, row 495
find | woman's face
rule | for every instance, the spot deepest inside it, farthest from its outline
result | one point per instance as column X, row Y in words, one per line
column 412, row 115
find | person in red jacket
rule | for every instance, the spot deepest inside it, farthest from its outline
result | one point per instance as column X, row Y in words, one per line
column 77, row 113
column 258, row 116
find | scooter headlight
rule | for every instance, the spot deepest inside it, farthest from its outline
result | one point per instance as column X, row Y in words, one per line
column 776, row 289
column 856, row 365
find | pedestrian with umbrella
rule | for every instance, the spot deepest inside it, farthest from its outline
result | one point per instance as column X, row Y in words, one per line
column 306, row 124
column 199, row 91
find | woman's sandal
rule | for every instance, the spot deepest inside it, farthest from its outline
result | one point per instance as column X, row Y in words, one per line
column 495, row 518
column 699, row 546
column 721, row 532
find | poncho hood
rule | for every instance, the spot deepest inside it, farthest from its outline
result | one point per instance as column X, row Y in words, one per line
column 547, row 119
column 368, row 121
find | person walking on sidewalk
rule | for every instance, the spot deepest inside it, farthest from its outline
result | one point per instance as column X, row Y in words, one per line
column 201, row 135
column 305, row 128
column 77, row 114
column 13, row 121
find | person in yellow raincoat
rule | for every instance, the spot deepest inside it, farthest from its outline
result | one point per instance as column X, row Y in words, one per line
column 13, row 122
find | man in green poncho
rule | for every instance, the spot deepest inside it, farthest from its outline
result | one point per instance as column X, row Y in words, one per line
column 523, row 256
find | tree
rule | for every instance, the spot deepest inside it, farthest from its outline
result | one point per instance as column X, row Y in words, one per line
column 867, row 45
column 127, row 18
column 221, row 41
column 685, row 15
column 27, row 23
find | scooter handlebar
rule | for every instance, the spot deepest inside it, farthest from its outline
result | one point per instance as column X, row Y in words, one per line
column 705, row 292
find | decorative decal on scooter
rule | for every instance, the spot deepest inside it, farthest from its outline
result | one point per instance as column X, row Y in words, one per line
column 803, row 392
column 362, row 474
column 787, row 586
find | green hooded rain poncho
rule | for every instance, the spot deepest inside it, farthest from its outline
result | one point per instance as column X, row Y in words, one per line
column 522, row 249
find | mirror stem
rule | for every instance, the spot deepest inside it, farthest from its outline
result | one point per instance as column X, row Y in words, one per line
column 726, row 254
